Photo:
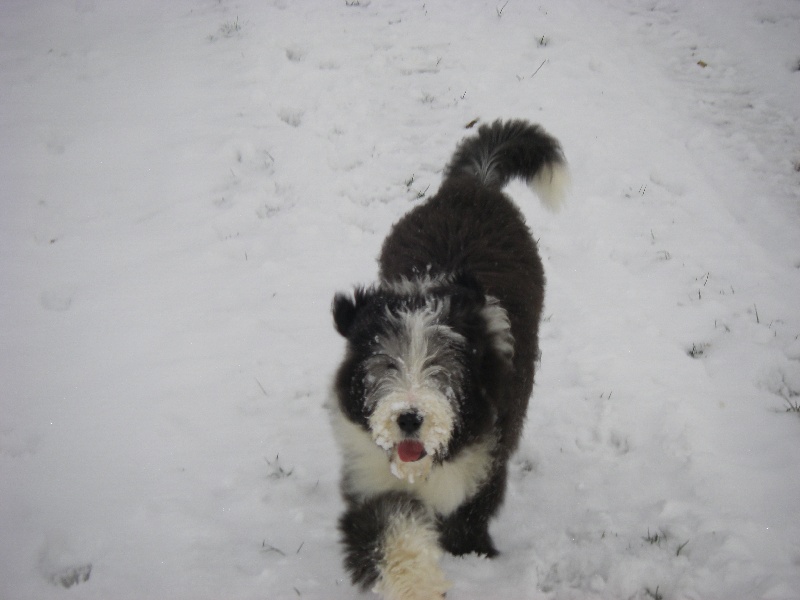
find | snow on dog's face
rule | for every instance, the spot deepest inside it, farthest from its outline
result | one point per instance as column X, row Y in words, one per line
column 411, row 382
column 412, row 373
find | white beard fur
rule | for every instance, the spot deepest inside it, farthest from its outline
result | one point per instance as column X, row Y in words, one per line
column 367, row 470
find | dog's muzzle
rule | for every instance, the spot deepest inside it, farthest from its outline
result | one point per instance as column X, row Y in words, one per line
column 413, row 428
column 410, row 450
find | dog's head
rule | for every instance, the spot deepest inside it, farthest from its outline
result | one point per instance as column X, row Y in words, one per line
column 423, row 359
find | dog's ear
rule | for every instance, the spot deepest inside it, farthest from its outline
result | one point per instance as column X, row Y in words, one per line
column 345, row 308
column 344, row 312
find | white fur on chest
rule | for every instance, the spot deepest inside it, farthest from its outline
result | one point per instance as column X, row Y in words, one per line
column 367, row 472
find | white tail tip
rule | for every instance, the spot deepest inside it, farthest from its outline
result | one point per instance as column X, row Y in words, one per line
column 551, row 184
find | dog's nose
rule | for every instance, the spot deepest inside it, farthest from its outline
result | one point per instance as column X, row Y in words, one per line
column 409, row 422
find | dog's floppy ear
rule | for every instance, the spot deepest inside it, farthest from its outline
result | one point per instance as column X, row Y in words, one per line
column 345, row 308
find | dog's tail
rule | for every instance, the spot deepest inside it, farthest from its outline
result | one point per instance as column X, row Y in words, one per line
column 504, row 150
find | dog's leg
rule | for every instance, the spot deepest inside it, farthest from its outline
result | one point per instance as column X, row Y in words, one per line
column 391, row 545
column 467, row 529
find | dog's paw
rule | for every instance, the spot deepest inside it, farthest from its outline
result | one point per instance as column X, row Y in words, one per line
column 410, row 568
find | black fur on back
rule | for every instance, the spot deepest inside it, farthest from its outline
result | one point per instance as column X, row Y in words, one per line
column 467, row 227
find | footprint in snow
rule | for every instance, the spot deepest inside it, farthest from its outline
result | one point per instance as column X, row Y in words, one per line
column 295, row 53
column 291, row 117
column 56, row 300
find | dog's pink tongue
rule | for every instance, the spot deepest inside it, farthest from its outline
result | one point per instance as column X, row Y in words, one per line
column 410, row 450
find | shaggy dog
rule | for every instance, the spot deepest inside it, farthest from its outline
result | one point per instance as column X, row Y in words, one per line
column 432, row 392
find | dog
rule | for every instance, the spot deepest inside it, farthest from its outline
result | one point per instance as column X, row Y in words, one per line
column 430, row 398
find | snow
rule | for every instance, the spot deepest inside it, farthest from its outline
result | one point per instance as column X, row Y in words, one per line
column 186, row 184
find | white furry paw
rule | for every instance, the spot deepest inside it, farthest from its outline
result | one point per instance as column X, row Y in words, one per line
column 410, row 568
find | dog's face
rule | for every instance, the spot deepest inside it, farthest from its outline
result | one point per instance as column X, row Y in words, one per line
column 422, row 359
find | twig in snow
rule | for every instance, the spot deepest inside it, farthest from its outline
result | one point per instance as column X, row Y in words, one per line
column 229, row 28
column 654, row 595
column 265, row 547
column 540, row 66
column 278, row 472
column 501, row 9
column 655, row 538
column 697, row 350
column 519, row 78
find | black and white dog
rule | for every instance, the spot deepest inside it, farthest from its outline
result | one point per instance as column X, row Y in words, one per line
column 432, row 392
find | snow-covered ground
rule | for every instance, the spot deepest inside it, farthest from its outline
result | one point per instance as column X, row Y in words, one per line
column 185, row 184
